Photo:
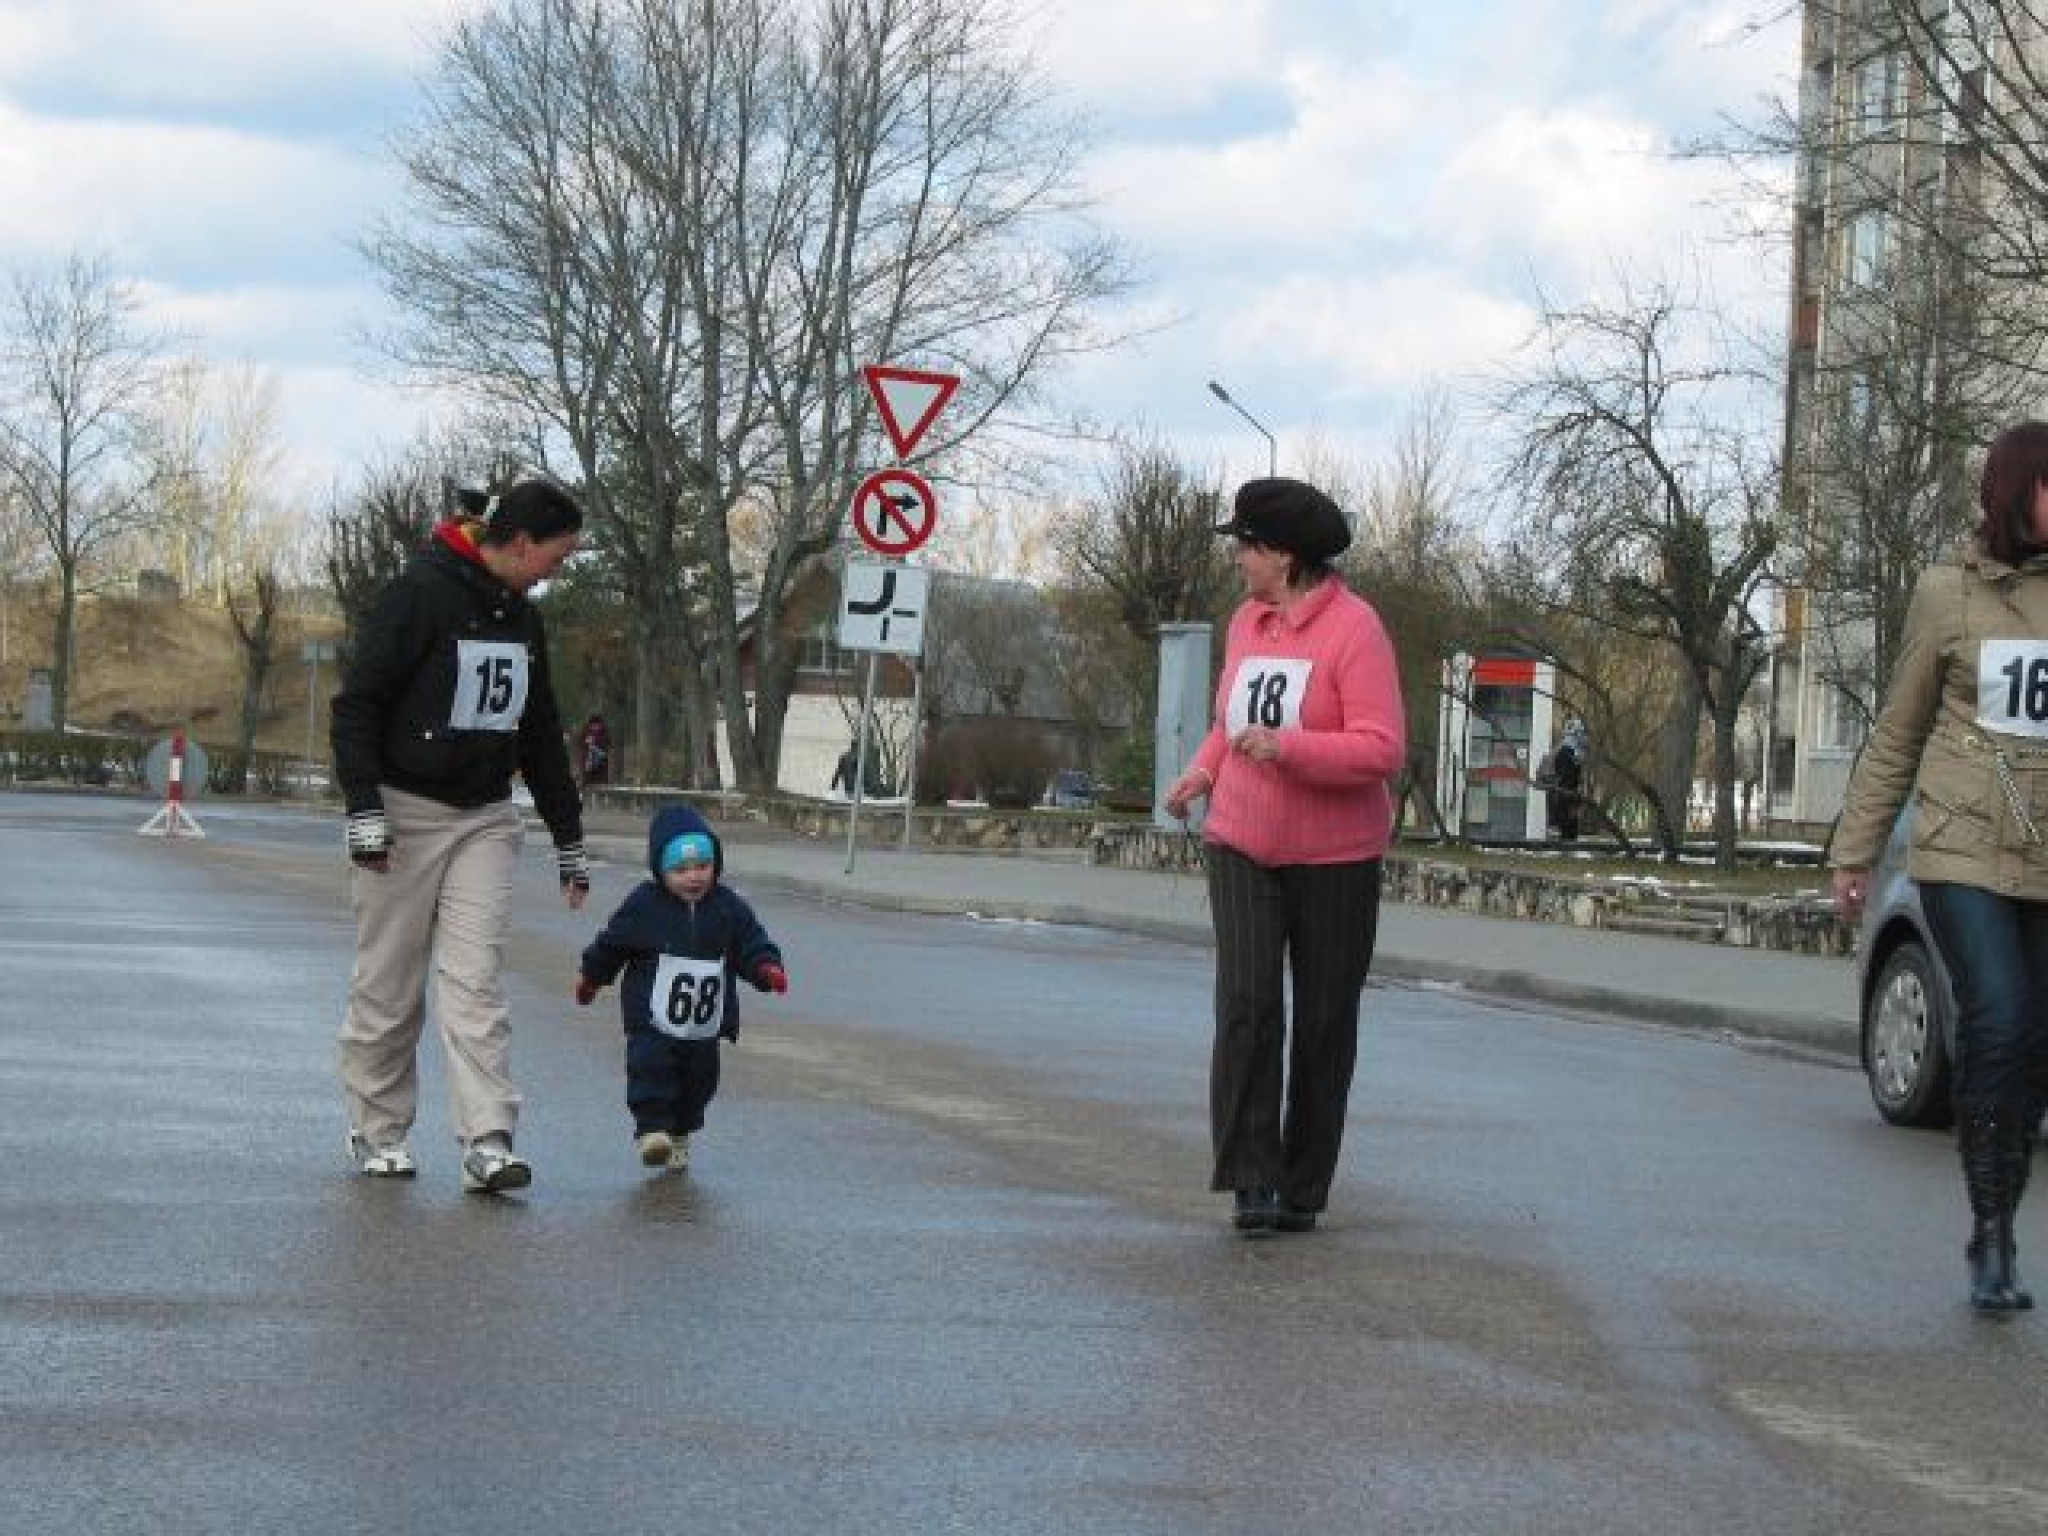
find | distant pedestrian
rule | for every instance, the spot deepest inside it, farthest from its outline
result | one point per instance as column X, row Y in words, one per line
column 446, row 695
column 1564, row 792
column 1963, row 731
column 848, row 766
column 682, row 939
column 594, row 751
column 1308, row 733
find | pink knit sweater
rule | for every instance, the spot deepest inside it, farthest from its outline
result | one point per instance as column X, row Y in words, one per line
column 1324, row 673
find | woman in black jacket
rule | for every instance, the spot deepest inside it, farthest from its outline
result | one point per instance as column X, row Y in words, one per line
column 445, row 696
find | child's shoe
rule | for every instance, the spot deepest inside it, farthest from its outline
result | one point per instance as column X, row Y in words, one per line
column 664, row 1149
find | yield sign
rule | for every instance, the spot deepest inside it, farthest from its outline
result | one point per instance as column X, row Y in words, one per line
column 909, row 399
column 894, row 511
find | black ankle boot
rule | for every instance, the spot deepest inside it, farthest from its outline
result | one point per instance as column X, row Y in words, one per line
column 1988, row 1143
column 1255, row 1210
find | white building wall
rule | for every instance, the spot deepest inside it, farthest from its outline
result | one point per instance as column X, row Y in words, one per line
column 814, row 733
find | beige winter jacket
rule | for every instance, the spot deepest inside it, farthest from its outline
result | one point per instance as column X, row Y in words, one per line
column 1964, row 729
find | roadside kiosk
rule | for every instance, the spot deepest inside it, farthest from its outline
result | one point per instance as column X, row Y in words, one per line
column 1497, row 719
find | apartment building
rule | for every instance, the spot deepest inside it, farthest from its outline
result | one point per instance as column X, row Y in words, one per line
column 1903, row 358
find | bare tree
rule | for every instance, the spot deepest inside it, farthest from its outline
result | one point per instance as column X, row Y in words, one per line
column 1001, row 633
column 1102, row 674
column 374, row 529
column 1647, row 513
column 674, row 233
column 1416, row 560
column 75, row 376
column 253, row 610
column 20, row 559
column 1149, row 544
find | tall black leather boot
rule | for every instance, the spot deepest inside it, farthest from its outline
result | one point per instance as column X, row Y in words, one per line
column 1990, row 1174
column 2020, row 1155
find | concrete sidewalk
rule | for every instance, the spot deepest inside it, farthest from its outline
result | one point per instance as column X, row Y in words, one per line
column 1809, row 1001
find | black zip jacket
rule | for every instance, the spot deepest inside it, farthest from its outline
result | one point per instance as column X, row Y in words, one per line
column 430, row 699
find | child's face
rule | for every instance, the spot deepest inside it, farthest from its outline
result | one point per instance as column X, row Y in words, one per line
column 688, row 880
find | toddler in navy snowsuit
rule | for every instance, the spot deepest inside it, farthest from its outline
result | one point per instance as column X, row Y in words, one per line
column 682, row 939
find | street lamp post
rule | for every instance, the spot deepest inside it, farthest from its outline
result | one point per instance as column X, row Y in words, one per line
column 1272, row 445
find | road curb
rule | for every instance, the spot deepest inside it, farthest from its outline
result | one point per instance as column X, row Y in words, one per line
column 1832, row 1037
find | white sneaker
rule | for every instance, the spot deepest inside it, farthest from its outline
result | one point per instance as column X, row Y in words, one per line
column 491, row 1167
column 664, row 1149
column 392, row 1161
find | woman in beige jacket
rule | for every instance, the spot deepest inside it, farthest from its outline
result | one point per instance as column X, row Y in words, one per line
column 1964, row 730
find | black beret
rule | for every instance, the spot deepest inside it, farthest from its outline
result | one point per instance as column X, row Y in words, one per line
column 1290, row 515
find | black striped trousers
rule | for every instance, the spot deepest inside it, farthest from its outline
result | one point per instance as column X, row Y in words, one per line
column 1308, row 928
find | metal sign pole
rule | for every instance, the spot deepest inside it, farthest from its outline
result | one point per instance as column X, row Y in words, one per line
column 860, row 763
column 312, row 693
column 916, row 730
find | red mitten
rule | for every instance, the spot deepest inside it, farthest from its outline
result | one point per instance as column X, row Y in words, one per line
column 770, row 977
column 586, row 991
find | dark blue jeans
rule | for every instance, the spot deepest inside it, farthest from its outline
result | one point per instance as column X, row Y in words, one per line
column 1996, row 948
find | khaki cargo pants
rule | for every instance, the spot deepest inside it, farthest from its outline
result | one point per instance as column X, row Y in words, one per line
column 446, row 903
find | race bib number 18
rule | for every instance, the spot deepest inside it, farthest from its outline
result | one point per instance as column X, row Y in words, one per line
column 490, row 685
column 1266, row 691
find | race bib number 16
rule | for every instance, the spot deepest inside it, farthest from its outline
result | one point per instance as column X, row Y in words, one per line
column 1266, row 691
column 2012, row 687
column 490, row 685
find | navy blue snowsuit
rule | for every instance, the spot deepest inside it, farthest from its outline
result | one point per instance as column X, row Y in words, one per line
column 695, row 950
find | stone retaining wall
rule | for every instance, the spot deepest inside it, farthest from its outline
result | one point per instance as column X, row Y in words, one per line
column 1795, row 925
column 967, row 830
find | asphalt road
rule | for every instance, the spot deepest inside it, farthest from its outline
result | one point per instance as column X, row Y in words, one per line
column 946, row 1262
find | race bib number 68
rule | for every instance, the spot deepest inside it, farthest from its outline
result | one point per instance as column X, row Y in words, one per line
column 688, row 999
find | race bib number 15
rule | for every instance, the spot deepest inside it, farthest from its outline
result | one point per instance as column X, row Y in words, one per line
column 1266, row 691
column 490, row 685
column 2012, row 687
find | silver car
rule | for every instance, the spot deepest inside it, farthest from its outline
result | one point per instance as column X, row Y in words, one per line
column 1908, row 1004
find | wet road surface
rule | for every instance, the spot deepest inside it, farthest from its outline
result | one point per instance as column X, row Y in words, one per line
column 946, row 1261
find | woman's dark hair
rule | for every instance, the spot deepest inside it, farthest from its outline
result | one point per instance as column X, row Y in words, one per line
column 2016, row 462
column 540, row 509
column 1305, row 573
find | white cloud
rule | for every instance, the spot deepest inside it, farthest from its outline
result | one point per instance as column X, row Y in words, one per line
column 337, row 420
column 187, row 196
column 287, row 323
column 174, row 56
column 1374, row 336
column 1137, row 59
column 1336, row 202
column 1566, row 188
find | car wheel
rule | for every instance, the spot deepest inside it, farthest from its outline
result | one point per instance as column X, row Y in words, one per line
column 1905, row 1040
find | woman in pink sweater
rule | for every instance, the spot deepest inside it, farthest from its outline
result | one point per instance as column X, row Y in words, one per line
column 1309, row 731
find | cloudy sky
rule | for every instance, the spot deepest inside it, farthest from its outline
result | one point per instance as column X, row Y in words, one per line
column 1333, row 202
